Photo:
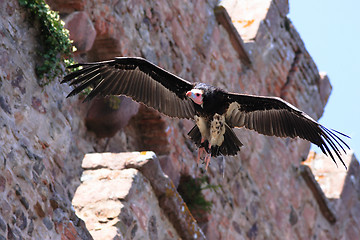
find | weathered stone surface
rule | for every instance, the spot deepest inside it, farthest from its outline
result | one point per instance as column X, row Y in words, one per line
column 82, row 31
column 34, row 130
column 67, row 6
column 106, row 116
column 247, row 22
column 324, row 87
column 44, row 137
column 342, row 188
column 330, row 177
column 128, row 201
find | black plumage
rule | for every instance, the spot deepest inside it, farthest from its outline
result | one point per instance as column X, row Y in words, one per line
column 215, row 111
column 138, row 79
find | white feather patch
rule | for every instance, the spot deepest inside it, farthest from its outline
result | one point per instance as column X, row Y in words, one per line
column 203, row 127
column 217, row 130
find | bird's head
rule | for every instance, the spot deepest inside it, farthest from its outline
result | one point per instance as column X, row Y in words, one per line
column 196, row 95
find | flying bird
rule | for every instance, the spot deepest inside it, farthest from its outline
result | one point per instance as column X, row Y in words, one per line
column 215, row 111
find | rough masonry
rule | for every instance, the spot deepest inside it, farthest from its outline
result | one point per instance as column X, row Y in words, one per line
column 244, row 46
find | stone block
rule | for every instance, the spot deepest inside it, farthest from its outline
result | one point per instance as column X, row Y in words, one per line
column 81, row 29
column 67, row 6
column 114, row 184
column 324, row 87
column 283, row 6
column 330, row 177
column 106, row 116
column 245, row 21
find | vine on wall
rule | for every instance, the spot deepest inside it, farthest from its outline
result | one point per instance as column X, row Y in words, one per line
column 55, row 44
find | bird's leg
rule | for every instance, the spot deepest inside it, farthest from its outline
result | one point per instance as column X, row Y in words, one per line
column 200, row 153
column 207, row 158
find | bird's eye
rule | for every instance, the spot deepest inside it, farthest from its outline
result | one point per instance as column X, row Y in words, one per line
column 197, row 94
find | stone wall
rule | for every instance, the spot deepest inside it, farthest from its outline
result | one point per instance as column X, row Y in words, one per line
column 40, row 140
column 261, row 194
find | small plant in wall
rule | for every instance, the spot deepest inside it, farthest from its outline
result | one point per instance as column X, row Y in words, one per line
column 55, row 46
column 190, row 190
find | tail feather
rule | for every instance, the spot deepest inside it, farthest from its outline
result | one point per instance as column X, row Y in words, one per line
column 231, row 144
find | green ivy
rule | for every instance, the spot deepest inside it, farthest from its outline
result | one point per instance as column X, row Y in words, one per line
column 55, row 45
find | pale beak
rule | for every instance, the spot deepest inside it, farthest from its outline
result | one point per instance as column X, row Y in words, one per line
column 189, row 93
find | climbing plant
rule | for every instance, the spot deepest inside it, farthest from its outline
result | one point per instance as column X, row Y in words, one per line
column 55, row 45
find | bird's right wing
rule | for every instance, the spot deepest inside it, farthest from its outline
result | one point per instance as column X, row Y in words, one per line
column 137, row 78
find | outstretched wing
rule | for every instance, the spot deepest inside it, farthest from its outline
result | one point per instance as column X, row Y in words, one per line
column 275, row 117
column 137, row 78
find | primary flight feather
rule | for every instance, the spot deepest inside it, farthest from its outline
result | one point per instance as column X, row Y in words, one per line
column 214, row 110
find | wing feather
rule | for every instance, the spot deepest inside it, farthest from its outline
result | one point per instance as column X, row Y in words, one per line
column 137, row 78
column 273, row 116
column 86, row 83
column 117, row 84
column 75, row 74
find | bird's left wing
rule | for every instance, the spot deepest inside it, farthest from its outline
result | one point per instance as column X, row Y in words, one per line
column 137, row 78
column 275, row 117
